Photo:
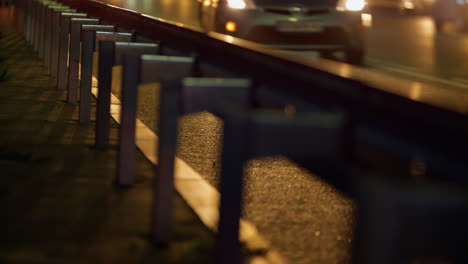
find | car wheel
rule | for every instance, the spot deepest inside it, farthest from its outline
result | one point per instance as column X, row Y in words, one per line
column 355, row 56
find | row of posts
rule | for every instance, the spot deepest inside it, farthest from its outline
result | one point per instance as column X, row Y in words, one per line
column 67, row 39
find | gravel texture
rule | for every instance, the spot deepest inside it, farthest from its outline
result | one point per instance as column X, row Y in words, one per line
column 303, row 217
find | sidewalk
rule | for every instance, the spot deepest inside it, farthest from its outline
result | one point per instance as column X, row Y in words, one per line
column 57, row 197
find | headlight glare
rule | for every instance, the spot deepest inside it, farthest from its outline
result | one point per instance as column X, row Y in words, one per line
column 240, row 4
column 351, row 5
column 236, row 4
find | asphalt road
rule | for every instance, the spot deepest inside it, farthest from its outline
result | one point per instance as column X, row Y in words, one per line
column 395, row 43
column 304, row 218
column 410, row 44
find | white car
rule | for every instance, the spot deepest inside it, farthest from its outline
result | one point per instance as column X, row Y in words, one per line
column 325, row 26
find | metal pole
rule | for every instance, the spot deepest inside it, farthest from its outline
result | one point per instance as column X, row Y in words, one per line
column 62, row 78
column 74, row 60
column 86, row 75
column 127, row 150
column 163, row 186
column 55, row 40
column 44, row 7
column 48, row 32
column 106, row 61
column 88, row 33
column 234, row 155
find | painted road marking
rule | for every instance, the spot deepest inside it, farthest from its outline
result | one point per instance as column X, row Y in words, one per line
column 414, row 73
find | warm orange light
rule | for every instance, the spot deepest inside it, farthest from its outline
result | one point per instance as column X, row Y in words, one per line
column 231, row 26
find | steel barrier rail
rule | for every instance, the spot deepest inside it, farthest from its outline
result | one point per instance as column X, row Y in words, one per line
column 375, row 108
column 258, row 61
column 370, row 99
column 360, row 255
column 379, row 247
column 367, row 127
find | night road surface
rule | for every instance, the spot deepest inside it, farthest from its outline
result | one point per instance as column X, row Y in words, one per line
column 397, row 44
column 305, row 219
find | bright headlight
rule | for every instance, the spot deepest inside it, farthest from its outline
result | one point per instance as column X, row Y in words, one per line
column 237, row 4
column 240, row 4
column 355, row 5
column 351, row 5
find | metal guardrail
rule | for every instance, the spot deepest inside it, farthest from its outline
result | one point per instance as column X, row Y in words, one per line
column 374, row 106
column 339, row 124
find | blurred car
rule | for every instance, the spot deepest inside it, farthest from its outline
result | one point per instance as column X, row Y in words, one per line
column 325, row 26
column 453, row 11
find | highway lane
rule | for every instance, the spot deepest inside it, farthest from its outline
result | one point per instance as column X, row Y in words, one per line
column 303, row 217
column 409, row 45
column 398, row 44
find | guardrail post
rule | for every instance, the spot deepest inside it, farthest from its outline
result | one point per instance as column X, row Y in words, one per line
column 33, row 12
column 182, row 97
column 62, row 77
column 43, row 6
column 113, row 53
column 234, row 155
column 25, row 14
column 29, row 20
column 126, row 161
column 163, row 182
column 315, row 136
column 153, row 68
column 75, row 52
column 20, row 5
column 87, row 72
column 88, row 34
column 33, row 22
column 55, row 40
column 106, row 61
column 37, row 8
column 39, row 4
column 28, row 16
column 150, row 68
column 48, row 31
